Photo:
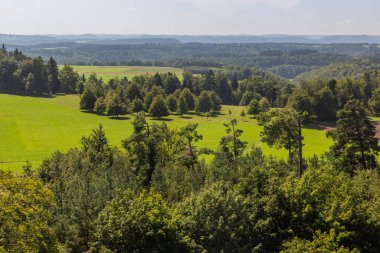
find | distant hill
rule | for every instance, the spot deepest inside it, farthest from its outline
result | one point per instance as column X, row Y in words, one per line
column 341, row 70
column 146, row 38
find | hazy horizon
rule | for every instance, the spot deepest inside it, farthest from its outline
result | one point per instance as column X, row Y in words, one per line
column 190, row 17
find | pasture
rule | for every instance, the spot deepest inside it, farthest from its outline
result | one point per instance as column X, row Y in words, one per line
column 32, row 128
column 109, row 72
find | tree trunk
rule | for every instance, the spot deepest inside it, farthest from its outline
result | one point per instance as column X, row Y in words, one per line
column 300, row 159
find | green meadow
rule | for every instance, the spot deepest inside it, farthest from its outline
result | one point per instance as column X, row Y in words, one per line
column 32, row 128
column 109, row 72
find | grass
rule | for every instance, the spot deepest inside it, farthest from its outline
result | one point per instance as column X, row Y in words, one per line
column 32, row 128
column 109, row 72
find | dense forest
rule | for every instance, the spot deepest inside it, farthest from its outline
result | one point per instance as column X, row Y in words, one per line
column 284, row 59
column 154, row 193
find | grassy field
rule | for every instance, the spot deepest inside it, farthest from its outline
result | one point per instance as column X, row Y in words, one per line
column 108, row 72
column 31, row 129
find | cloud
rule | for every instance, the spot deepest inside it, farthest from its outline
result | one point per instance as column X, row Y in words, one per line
column 132, row 8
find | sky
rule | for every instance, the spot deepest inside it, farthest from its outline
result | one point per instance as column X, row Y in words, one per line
column 191, row 17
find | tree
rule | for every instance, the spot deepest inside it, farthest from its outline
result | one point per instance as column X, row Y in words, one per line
column 100, row 106
column 204, row 102
column 300, row 101
column 157, row 80
column 217, row 220
column 190, row 101
column 242, row 115
column 53, row 75
column 69, row 79
column 136, row 105
column 325, row 105
column 264, row 105
column 87, row 100
column 158, row 107
column 26, row 209
column 115, row 105
column 231, row 144
column 30, row 83
column 374, row 102
column 254, row 107
column 191, row 134
column 216, row 102
column 137, row 224
column 171, row 102
column 355, row 145
column 283, row 129
column 182, row 105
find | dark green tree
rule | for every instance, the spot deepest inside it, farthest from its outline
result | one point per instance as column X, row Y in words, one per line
column 355, row 145
column 182, row 105
column 158, row 107
column 204, row 102
column 53, row 75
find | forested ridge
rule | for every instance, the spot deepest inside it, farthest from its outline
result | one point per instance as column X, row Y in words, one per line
column 154, row 193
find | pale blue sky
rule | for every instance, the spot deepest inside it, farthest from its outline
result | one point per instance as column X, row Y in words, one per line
column 190, row 16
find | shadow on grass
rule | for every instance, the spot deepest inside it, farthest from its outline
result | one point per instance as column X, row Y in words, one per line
column 161, row 119
column 185, row 117
column 119, row 118
column 33, row 95
column 320, row 125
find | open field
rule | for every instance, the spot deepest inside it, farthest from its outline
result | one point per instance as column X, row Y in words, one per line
column 32, row 128
column 108, row 72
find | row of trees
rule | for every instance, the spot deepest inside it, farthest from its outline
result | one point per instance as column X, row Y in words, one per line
column 145, row 93
column 156, row 195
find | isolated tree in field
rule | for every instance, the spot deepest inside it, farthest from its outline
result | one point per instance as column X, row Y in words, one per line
column 355, row 144
column 115, row 105
column 137, row 105
column 242, row 115
column 325, row 105
column 30, row 83
column 191, row 134
column 87, row 100
column 231, row 143
column 204, row 102
column 182, row 105
column 264, row 105
column 100, row 106
column 171, row 102
column 282, row 129
column 158, row 107
column 254, row 107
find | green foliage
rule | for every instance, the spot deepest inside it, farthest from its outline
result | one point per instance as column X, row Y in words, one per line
column 100, row 106
column 355, row 145
column 142, row 223
column 87, row 100
column 231, row 143
column 26, row 207
column 217, row 219
column 182, row 105
column 254, row 107
column 204, row 103
column 136, row 105
column 171, row 102
column 158, row 107
column 115, row 105
column 325, row 105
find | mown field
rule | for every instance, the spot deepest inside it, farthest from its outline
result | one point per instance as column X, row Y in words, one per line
column 109, row 72
column 32, row 128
